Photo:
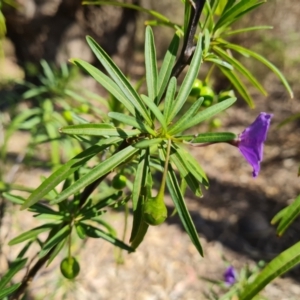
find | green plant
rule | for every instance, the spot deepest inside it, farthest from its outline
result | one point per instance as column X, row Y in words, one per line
column 148, row 134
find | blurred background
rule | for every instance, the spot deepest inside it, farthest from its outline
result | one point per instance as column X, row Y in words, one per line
column 233, row 217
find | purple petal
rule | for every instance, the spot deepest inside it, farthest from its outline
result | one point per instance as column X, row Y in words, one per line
column 251, row 141
column 230, row 276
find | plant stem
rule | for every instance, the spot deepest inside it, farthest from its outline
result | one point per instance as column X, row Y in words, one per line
column 161, row 191
column 188, row 47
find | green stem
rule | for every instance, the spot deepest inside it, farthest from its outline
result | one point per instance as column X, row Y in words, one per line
column 161, row 191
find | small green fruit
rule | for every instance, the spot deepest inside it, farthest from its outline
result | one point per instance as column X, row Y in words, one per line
column 69, row 267
column 119, row 182
column 155, row 211
column 67, row 114
column 208, row 94
column 226, row 95
column 216, row 123
column 195, row 92
column 84, row 108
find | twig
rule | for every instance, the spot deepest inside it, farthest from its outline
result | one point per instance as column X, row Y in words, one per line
column 188, row 47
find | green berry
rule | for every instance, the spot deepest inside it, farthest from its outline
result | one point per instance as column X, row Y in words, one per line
column 208, row 94
column 84, row 108
column 226, row 95
column 69, row 267
column 195, row 92
column 155, row 211
column 216, row 123
column 119, row 182
column 67, row 114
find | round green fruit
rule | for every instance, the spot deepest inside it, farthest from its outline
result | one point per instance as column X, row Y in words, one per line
column 155, row 211
column 208, row 94
column 119, row 182
column 69, row 267
column 84, row 108
column 226, row 95
column 216, row 123
column 67, row 114
column 195, row 92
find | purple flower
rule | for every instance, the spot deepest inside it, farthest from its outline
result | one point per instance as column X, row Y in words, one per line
column 251, row 141
column 230, row 275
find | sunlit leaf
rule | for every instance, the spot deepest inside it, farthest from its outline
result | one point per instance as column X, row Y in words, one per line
column 264, row 61
column 106, row 82
column 203, row 115
column 94, row 232
column 31, row 234
column 188, row 81
column 151, row 66
column 101, row 169
column 98, row 130
column 182, row 210
column 120, row 79
column 285, row 261
column 136, row 123
column 14, row 268
column 287, row 216
column 66, row 170
column 167, row 66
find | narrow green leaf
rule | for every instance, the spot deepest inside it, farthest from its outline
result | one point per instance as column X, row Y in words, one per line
column 247, row 29
column 48, row 71
column 174, row 189
column 102, row 129
column 169, row 100
column 192, row 165
column 54, row 217
column 14, row 268
column 239, row 67
column 106, row 82
column 66, row 170
column 211, row 137
column 15, row 124
column 7, row 291
column 155, row 110
column 289, row 119
column 94, row 232
column 80, row 230
column 120, row 79
column 203, row 115
column 128, row 5
column 235, row 12
column 167, row 66
column 146, row 143
column 264, row 61
column 106, row 225
column 101, row 169
column 185, row 173
column 55, row 252
column 237, row 83
column 55, row 239
column 188, row 81
column 206, row 42
column 140, row 177
column 136, row 123
column 279, row 265
column 150, row 64
column 31, row 234
column 216, row 60
column 287, row 216
column 187, row 116
column 141, row 228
